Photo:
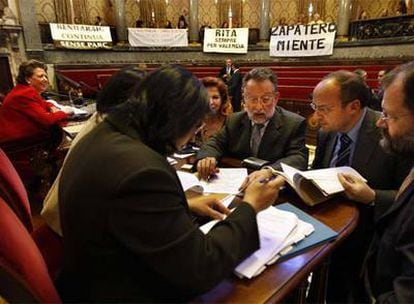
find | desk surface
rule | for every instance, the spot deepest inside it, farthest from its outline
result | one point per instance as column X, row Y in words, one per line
column 280, row 279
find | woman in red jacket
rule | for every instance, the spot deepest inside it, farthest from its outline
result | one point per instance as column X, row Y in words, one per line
column 25, row 115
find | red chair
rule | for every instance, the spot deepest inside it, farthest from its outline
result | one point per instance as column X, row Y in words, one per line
column 13, row 191
column 24, row 275
column 14, row 194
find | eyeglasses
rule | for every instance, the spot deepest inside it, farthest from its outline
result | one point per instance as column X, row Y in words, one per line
column 321, row 109
column 385, row 117
column 265, row 99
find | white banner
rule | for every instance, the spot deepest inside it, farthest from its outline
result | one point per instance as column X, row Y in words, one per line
column 226, row 40
column 149, row 37
column 302, row 40
column 81, row 36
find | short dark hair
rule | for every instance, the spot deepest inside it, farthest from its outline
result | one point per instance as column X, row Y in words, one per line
column 407, row 72
column 260, row 74
column 351, row 87
column 26, row 70
column 118, row 88
column 209, row 82
column 165, row 106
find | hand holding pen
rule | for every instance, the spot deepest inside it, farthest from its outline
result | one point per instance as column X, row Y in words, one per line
column 262, row 193
column 207, row 168
column 260, row 175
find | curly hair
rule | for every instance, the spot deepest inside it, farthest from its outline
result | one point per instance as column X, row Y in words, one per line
column 214, row 82
column 26, row 70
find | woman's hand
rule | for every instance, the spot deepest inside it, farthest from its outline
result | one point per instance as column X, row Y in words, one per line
column 256, row 175
column 208, row 206
column 262, row 193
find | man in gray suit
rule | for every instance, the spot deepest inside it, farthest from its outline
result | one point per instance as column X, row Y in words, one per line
column 349, row 137
column 263, row 130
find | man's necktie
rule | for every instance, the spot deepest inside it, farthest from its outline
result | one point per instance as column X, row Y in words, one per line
column 407, row 181
column 256, row 137
column 344, row 151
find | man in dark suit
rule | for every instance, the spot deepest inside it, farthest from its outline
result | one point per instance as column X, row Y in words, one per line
column 227, row 71
column 263, row 130
column 389, row 264
column 340, row 101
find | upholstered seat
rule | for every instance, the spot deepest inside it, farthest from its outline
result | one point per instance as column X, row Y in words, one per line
column 24, row 275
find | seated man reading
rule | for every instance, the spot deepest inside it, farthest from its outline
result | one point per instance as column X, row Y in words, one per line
column 263, row 130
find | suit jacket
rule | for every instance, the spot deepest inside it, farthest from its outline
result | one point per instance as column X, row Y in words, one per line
column 383, row 171
column 223, row 74
column 282, row 141
column 25, row 115
column 129, row 235
column 389, row 267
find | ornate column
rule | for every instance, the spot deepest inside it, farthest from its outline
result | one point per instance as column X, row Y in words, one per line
column 193, row 22
column 30, row 25
column 121, row 29
column 344, row 13
column 264, row 20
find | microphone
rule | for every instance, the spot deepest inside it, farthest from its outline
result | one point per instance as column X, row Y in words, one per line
column 55, row 94
column 72, row 82
column 88, row 87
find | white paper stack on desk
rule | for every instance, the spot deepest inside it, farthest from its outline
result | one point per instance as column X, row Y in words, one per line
column 278, row 231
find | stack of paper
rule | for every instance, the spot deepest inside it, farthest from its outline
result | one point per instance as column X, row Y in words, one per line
column 278, row 231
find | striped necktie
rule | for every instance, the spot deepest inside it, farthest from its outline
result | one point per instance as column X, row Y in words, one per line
column 344, row 151
column 256, row 138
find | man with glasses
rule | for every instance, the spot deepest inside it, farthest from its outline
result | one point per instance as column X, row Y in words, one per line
column 349, row 137
column 389, row 265
column 263, row 130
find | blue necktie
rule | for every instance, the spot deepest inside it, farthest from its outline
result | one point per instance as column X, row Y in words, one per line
column 344, row 151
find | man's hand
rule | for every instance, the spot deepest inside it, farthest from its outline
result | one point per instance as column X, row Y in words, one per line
column 207, row 167
column 356, row 189
column 208, row 206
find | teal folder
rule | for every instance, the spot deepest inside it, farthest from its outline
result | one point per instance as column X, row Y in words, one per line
column 322, row 233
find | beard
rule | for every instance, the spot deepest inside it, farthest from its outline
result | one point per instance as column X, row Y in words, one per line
column 403, row 146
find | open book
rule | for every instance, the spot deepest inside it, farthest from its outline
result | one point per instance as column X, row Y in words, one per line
column 226, row 181
column 315, row 186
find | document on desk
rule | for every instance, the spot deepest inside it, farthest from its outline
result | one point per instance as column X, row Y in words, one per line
column 228, row 180
column 279, row 231
column 76, row 111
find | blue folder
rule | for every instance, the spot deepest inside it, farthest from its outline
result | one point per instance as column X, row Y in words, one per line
column 322, row 233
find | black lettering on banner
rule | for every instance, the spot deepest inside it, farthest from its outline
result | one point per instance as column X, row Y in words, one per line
column 321, row 43
column 314, row 29
column 331, row 27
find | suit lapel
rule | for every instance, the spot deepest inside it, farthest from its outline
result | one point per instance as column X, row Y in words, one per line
column 330, row 146
column 245, row 134
column 402, row 199
column 271, row 134
column 367, row 142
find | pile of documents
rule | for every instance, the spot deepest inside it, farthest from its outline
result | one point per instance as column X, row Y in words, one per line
column 279, row 231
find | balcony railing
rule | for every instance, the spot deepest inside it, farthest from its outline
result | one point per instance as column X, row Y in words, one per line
column 398, row 26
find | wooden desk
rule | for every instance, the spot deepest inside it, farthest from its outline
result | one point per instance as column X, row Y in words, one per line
column 281, row 279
